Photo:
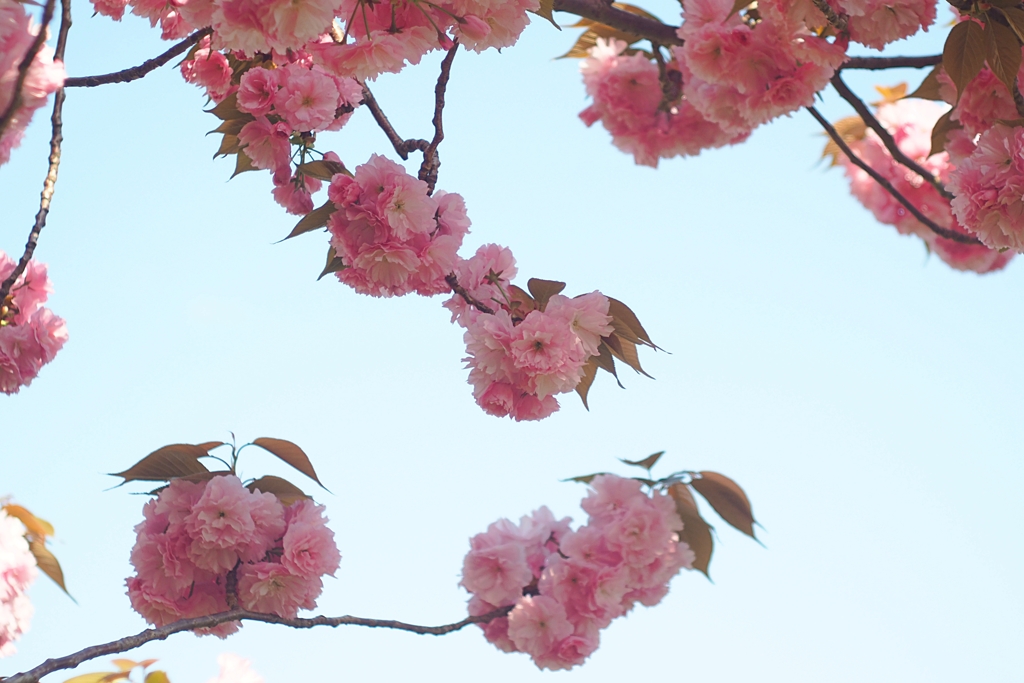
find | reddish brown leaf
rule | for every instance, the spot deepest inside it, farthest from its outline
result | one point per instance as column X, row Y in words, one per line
column 520, row 301
column 47, row 563
column 285, row 491
column 583, row 388
column 964, row 54
column 727, row 499
column 696, row 532
column 1003, row 52
column 334, row 263
column 242, row 163
column 227, row 108
column 605, row 361
column 940, row 132
column 929, row 88
column 229, row 144
column 586, row 478
column 164, row 464
column 542, row 290
column 317, row 218
column 622, row 313
column 647, row 463
column 324, row 169
column 233, row 126
column 210, row 445
column 627, row 353
column 291, row 454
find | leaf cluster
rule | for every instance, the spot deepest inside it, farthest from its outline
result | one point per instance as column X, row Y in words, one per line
column 595, row 30
column 124, row 670
column 37, row 531
column 724, row 495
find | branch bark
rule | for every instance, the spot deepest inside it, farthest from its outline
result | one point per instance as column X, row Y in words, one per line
column 50, row 181
column 887, row 186
column 887, row 139
column 26, row 63
column 431, row 160
column 136, row 72
column 879, row 63
column 131, row 642
column 603, row 12
column 401, row 145
column 453, row 282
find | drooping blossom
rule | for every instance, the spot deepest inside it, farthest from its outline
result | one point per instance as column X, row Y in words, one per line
column 17, row 572
column 577, row 582
column 198, row 538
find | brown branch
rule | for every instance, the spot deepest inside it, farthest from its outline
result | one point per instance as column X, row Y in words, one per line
column 131, row 642
column 56, row 138
column 401, row 145
column 887, row 139
column 887, row 186
column 136, row 72
column 453, row 282
column 431, row 160
column 838, row 21
column 638, row 25
column 879, row 63
column 25, row 65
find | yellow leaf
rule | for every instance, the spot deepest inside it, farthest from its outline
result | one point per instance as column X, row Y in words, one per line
column 125, row 664
column 157, row 677
column 850, row 129
column 37, row 527
column 89, row 678
column 890, row 95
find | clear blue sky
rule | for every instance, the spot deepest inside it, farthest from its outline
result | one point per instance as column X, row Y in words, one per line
column 868, row 398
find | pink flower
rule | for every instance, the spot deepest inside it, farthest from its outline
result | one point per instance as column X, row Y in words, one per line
column 257, row 91
column 309, row 548
column 235, row 669
column 308, row 99
column 497, row 574
column 269, row 587
column 221, row 524
column 537, row 623
column 267, row 144
column 17, row 572
column 545, row 349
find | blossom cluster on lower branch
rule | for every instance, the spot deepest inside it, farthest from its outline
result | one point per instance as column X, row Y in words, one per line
column 17, row 572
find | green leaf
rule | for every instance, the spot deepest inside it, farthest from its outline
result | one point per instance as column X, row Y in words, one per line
column 291, row 454
column 164, row 464
column 647, row 463
column 542, row 290
column 314, row 220
column 1003, row 52
column 930, row 86
column 157, row 677
column 285, row 491
column 727, row 499
column 963, row 55
column 696, row 532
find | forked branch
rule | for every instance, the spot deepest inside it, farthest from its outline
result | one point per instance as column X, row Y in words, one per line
column 136, row 72
column 26, row 63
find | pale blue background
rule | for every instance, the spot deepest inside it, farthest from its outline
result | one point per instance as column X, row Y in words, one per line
column 867, row 397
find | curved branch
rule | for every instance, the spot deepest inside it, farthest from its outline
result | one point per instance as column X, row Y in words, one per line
column 879, row 63
column 887, row 139
column 881, row 180
column 25, row 65
column 136, row 72
column 131, row 642
column 431, row 161
column 603, row 12
column 50, row 181
column 453, row 282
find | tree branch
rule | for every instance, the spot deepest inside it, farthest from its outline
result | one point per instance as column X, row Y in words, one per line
column 838, row 21
column 887, row 139
column 25, row 65
column 56, row 138
column 136, row 72
column 638, row 25
column 453, row 282
column 131, row 642
column 401, row 145
column 879, row 63
column 881, row 180
column 431, row 160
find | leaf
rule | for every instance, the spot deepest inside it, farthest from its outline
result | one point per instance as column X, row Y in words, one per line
column 546, row 10
column 964, row 54
column 604, row 360
column 621, row 312
column 334, row 263
column 1015, row 18
column 850, row 129
column 930, row 86
column 285, row 491
column 97, row 677
column 943, row 127
column 1003, row 52
column 157, row 677
column 242, row 163
column 233, row 126
column 696, row 532
column 227, row 109
column 586, row 478
column 647, row 463
column 37, row 527
column 47, row 563
column 291, row 454
column 583, row 387
column 890, row 95
column 324, row 169
column 210, row 445
column 229, row 144
column 317, row 218
column 737, row 5
column 543, row 290
column 727, row 499
column 597, row 30
column 125, row 664
column 164, row 464
column 627, row 353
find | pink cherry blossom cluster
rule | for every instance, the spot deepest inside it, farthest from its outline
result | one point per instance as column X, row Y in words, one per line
column 200, row 540
column 393, row 236
column 740, row 72
column 568, row 585
column 44, row 75
column 519, row 360
column 17, row 572
column 876, row 23
column 235, row 669
column 644, row 110
column 984, row 102
column 910, row 122
column 30, row 334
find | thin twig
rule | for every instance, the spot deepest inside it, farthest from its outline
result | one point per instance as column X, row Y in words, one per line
column 453, row 282
column 635, row 24
column 25, row 65
column 881, row 180
column 401, row 145
column 56, row 138
column 431, row 160
column 879, row 63
column 131, row 642
column 838, row 21
column 136, row 72
column 887, row 139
